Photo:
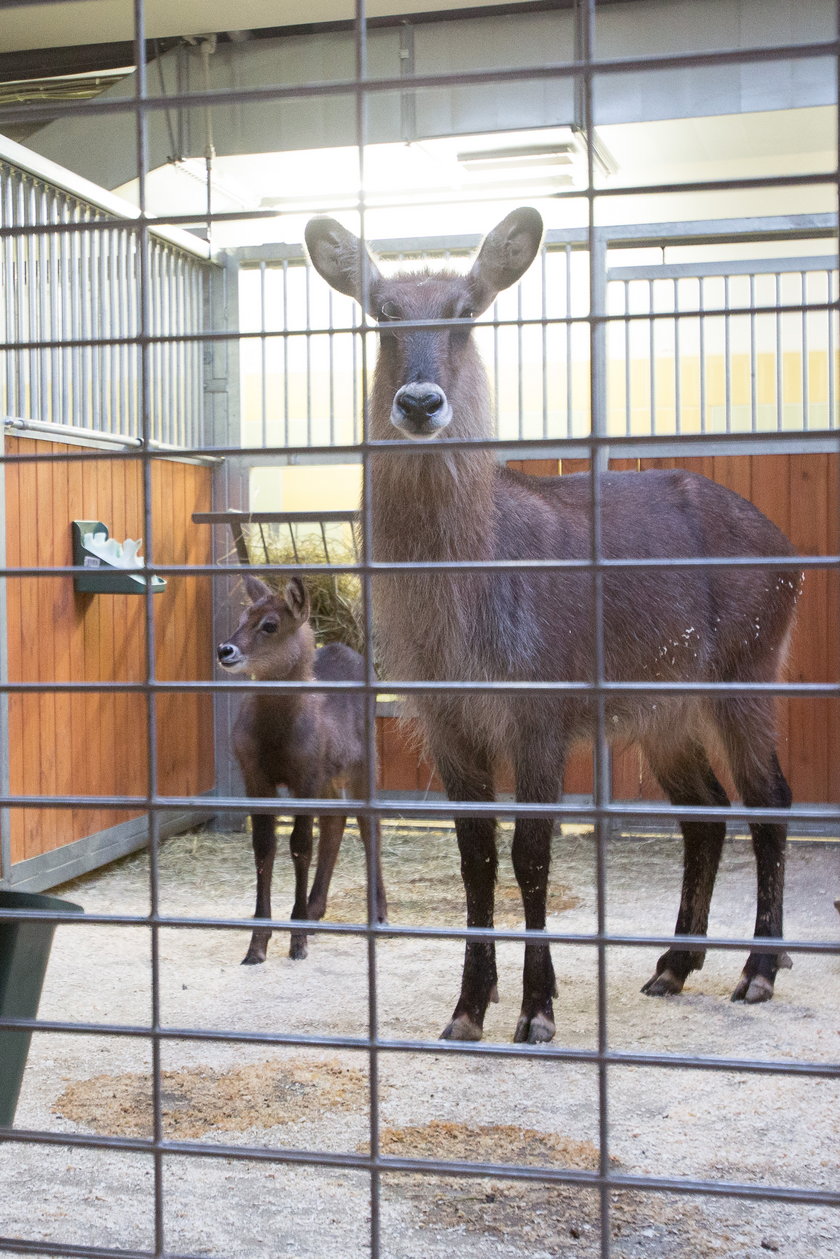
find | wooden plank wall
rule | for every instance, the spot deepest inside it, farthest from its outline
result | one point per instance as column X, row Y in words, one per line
column 95, row 744
column 801, row 493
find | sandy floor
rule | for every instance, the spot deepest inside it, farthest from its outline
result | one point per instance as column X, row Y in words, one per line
column 730, row 1126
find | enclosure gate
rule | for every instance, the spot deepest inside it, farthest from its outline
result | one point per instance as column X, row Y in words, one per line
column 590, row 329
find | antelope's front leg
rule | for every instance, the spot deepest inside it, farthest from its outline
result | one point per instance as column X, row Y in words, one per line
column 479, row 861
column 265, row 845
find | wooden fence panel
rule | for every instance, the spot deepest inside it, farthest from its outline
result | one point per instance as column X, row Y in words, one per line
column 95, row 744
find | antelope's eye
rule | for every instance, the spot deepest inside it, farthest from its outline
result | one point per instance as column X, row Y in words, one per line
column 269, row 627
column 388, row 310
column 466, row 313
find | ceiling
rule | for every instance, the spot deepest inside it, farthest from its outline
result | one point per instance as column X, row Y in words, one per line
column 66, row 23
column 687, row 137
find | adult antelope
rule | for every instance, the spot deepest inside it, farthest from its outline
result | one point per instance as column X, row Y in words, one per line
column 451, row 503
column 312, row 742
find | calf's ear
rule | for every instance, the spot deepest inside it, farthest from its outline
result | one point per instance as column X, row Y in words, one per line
column 255, row 589
column 296, row 598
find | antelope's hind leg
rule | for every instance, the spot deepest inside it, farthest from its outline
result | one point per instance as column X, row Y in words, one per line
column 531, row 863
column 300, row 847
column 747, row 725
column 688, row 778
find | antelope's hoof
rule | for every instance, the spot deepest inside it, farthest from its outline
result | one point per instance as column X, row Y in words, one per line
column 297, row 948
column 462, row 1027
column 252, row 959
column 665, row 984
column 752, row 989
column 535, row 1029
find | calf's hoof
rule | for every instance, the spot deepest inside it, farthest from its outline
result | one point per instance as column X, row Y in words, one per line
column 664, row 984
column 462, row 1027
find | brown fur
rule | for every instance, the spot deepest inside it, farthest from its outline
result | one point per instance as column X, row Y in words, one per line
column 311, row 742
column 443, row 503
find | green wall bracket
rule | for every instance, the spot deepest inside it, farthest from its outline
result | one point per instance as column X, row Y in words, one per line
column 99, row 576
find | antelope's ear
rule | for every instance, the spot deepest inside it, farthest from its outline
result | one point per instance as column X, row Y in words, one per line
column 341, row 259
column 296, row 598
column 505, row 255
column 255, row 589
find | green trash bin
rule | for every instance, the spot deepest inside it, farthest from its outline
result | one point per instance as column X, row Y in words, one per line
column 24, row 952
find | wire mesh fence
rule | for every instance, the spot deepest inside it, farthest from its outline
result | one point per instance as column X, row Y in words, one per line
column 113, row 331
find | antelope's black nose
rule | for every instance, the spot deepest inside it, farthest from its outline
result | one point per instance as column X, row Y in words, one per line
column 226, row 653
column 425, row 405
column 420, row 410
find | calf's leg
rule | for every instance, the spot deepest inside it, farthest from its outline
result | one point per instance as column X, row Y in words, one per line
column 264, row 843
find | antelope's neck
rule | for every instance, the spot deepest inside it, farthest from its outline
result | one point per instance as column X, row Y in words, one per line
column 435, row 504
column 291, row 703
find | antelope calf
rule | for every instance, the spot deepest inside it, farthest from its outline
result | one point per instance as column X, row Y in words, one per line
column 435, row 500
column 311, row 742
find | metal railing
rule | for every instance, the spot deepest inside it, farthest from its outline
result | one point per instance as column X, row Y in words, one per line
column 70, row 322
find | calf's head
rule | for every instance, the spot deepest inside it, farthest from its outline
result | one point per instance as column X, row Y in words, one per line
column 426, row 358
column 273, row 639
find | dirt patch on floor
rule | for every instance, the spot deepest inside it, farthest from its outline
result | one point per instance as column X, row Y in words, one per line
column 201, row 1100
column 563, row 1220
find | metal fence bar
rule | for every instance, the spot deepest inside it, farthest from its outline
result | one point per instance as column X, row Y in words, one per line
column 156, row 336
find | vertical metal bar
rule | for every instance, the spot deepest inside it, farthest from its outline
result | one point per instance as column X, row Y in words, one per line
column 331, row 367
column 30, row 245
column 9, row 289
column 496, row 410
column 42, row 280
column 54, row 245
column 702, row 351
column 98, row 328
column 831, row 315
column 753, row 362
column 520, row 384
column 727, row 356
column 652, row 359
column 806, row 396
column 308, row 343
column 286, row 352
column 23, row 312
column 544, row 336
column 567, row 253
column 263, row 361
column 144, row 331
column 370, row 713
column 677, row 366
column 780, row 381
column 628, row 381
column 601, row 764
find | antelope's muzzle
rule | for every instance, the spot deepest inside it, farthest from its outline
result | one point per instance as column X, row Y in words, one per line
column 420, row 410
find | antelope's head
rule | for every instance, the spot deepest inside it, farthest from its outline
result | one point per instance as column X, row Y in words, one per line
column 273, row 639
column 425, row 319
